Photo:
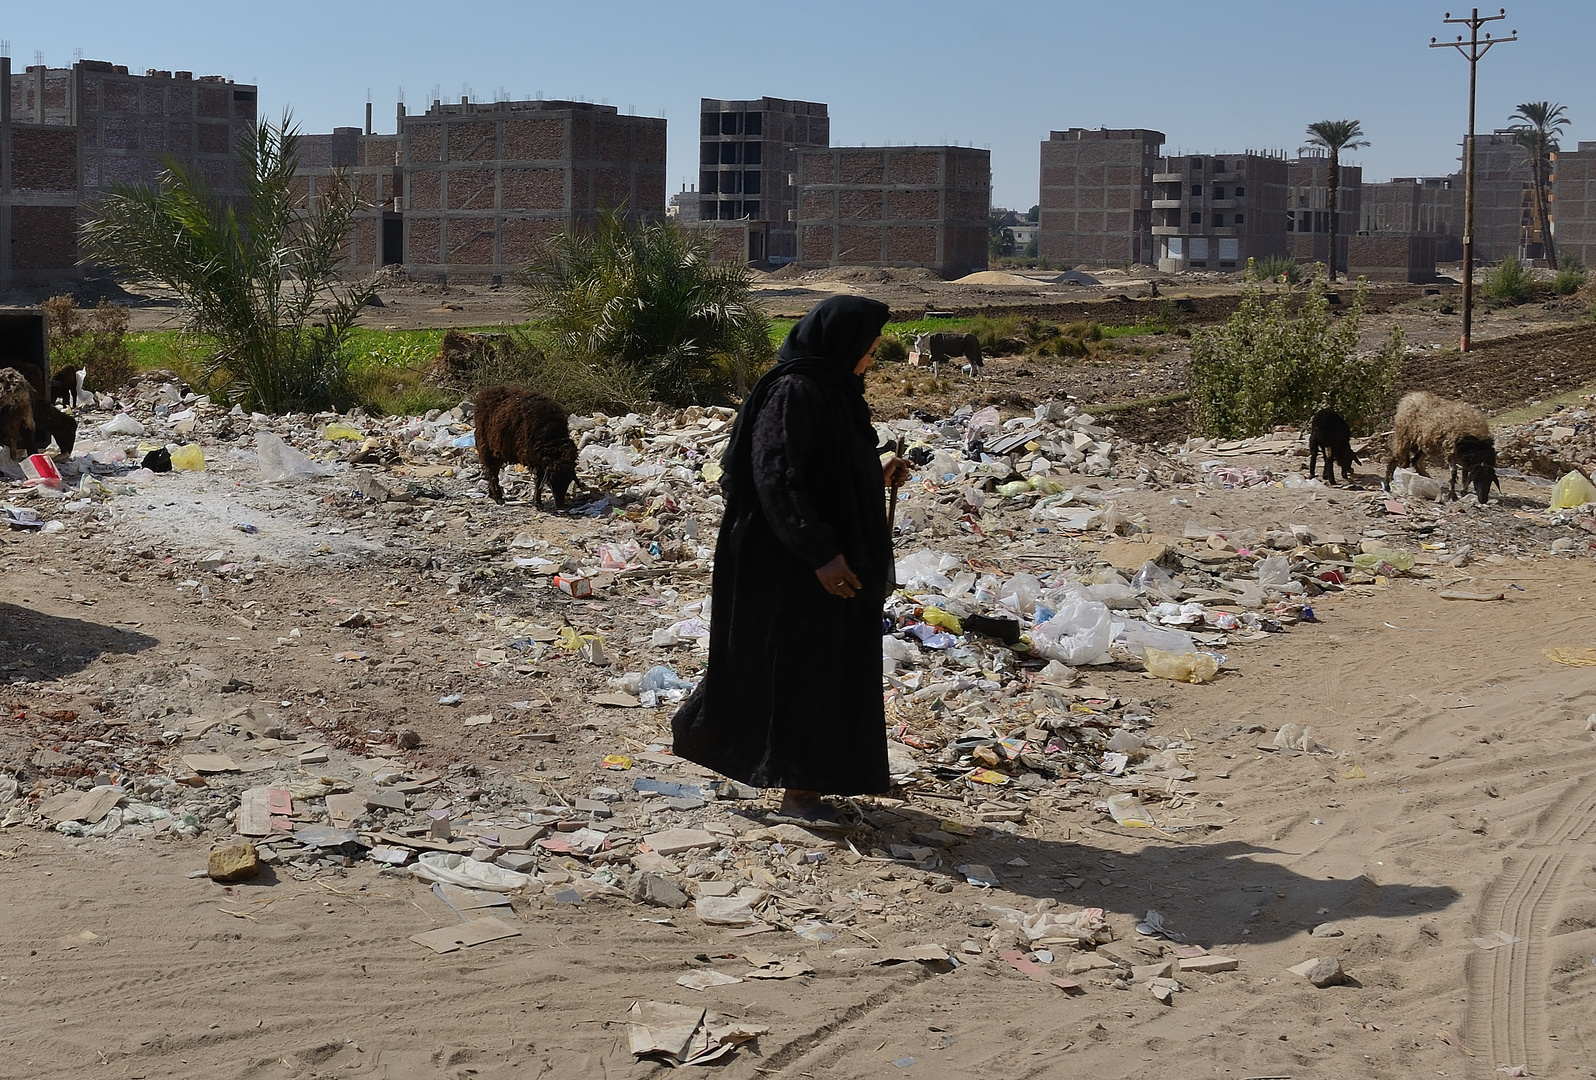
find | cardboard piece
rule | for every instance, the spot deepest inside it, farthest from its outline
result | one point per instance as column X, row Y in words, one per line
column 447, row 939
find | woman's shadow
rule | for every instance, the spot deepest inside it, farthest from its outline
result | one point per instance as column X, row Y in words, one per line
column 40, row 647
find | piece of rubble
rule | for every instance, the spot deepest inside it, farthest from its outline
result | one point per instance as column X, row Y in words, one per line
column 235, row 862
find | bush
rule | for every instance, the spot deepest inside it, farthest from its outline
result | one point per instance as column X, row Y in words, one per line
column 640, row 313
column 95, row 341
column 1509, row 281
column 259, row 282
column 1265, row 367
column 1281, row 269
column 1570, row 276
column 892, row 350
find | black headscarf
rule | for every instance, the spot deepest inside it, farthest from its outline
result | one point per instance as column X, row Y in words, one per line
column 824, row 345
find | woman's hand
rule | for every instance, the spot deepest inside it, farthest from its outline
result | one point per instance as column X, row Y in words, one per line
column 894, row 470
column 837, row 579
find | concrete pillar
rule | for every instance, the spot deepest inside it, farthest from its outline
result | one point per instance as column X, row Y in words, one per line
column 38, row 94
column 368, row 118
column 5, row 172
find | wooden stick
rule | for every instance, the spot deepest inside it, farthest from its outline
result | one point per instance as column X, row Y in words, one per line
column 892, row 501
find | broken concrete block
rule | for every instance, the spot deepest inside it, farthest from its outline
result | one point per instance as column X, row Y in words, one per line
column 235, row 862
column 1321, row 971
column 1164, row 969
column 674, row 841
column 653, row 889
column 519, row 861
column 1210, row 964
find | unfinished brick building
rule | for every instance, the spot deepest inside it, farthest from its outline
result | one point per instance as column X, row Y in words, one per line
column 1424, row 207
column 1308, row 209
column 69, row 135
column 1096, row 196
column 1217, row 211
column 1504, row 223
column 909, row 206
column 487, row 184
column 472, row 191
column 747, row 151
column 1574, row 203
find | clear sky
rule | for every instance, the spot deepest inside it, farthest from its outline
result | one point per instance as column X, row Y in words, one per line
column 1214, row 75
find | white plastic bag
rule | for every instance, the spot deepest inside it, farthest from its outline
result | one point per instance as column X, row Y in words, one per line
column 1413, row 485
column 280, row 462
column 121, row 424
column 460, row 870
column 1079, row 633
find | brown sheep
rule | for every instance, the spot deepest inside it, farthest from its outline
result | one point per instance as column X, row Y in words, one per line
column 16, row 413
column 1451, row 431
column 522, row 427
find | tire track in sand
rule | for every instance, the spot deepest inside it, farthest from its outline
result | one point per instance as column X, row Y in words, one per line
column 1506, row 1021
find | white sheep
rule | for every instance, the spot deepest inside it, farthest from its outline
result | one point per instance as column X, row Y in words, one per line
column 1451, row 431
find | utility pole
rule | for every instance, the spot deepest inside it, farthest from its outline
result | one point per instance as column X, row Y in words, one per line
column 1472, row 50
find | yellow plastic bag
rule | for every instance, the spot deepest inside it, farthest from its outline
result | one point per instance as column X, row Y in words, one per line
column 336, row 431
column 1571, row 491
column 935, row 616
column 1192, row 667
column 189, row 458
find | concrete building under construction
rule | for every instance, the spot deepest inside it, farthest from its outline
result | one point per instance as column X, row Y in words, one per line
column 70, row 135
column 1096, row 196
column 1308, row 209
column 908, row 206
column 1574, row 202
column 1216, row 211
column 748, row 153
column 472, row 191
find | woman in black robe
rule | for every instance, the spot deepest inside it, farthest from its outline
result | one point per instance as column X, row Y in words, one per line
column 792, row 697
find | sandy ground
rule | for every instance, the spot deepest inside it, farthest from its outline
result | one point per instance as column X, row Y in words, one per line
column 1457, row 802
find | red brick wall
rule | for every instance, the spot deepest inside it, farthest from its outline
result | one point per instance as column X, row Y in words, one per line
column 470, row 189
column 859, row 244
column 470, row 242
column 472, row 142
column 612, row 188
column 860, row 168
column 212, row 101
column 918, row 205
column 533, row 189
column 914, row 169
column 912, row 243
column 421, row 243
column 859, row 205
column 426, row 144
column 44, row 159
column 521, row 240
column 43, row 237
column 534, row 140
column 422, row 189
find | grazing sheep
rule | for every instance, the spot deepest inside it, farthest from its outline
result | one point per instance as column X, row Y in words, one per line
column 1451, row 431
column 16, row 412
column 940, row 347
column 1330, row 434
column 523, row 427
column 64, row 385
column 49, row 421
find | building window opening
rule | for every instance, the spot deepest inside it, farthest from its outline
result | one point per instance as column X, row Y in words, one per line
column 1196, row 217
column 709, row 124
column 1219, row 166
column 730, row 211
column 751, row 208
column 708, row 155
column 752, row 153
column 1196, row 189
column 728, row 153
column 1196, row 164
column 750, row 183
column 1240, row 191
column 728, row 123
column 707, row 183
column 1239, row 219
column 753, row 124
column 1219, row 193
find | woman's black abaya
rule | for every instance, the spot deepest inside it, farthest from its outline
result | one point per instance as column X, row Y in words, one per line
column 792, row 697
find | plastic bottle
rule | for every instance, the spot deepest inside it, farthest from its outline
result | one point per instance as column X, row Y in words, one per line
column 659, row 677
column 1192, row 667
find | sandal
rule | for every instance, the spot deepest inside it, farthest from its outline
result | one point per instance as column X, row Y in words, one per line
column 823, row 818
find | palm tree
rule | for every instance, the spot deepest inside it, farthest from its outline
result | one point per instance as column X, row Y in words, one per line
column 1334, row 136
column 648, row 308
column 1536, row 133
column 259, row 281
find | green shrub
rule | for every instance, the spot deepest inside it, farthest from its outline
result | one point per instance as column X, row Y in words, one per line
column 1266, row 367
column 1509, row 281
column 646, row 309
column 891, row 350
column 1570, row 276
column 1281, row 269
column 259, row 281
column 95, row 341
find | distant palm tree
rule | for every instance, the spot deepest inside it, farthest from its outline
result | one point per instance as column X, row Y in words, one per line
column 1334, row 136
column 1536, row 133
